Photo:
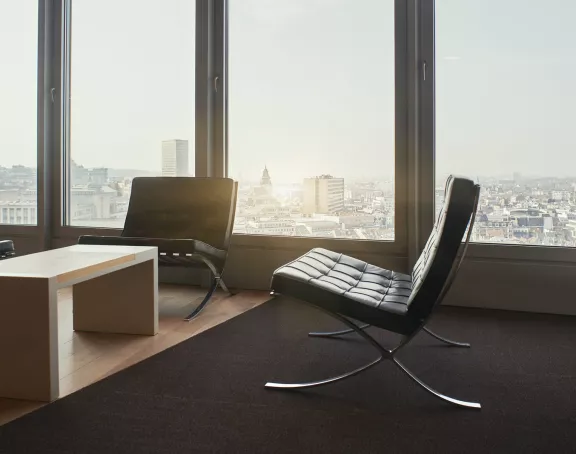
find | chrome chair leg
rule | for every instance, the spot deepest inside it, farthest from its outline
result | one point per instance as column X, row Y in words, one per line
column 224, row 287
column 460, row 403
column 348, row 331
column 322, row 382
column 447, row 341
column 335, row 333
column 384, row 354
column 204, row 302
column 217, row 281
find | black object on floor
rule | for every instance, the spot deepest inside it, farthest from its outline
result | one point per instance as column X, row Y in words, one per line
column 207, row 394
column 6, row 249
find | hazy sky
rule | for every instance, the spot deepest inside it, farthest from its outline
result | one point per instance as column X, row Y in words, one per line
column 18, row 65
column 506, row 87
column 311, row 88
column 311, row 85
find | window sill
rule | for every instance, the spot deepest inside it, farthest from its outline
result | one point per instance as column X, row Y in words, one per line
column 486, row 251
column 521, row 253
column 19, row 230
column 304, row 244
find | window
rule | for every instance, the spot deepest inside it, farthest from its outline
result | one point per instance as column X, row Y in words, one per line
column 132, row 73
column 504, row 99
column 18, row 109
column 311, row 117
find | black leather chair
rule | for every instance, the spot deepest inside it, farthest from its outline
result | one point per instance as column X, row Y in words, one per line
column 6, row 249
column 354, row 291
column 189, row 219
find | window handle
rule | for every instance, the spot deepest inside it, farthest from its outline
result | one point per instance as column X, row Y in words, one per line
column 52, row 91
column 216, row 80
column 424, row 69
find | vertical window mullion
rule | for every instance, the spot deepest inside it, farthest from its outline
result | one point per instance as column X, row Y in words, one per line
column 43, row 129
column 211, row 88
column 420, row 153
column 219, row 89
column 63, row 191
column 402, row 83
column 204, row 88
column 52, row 99
column 426, row 151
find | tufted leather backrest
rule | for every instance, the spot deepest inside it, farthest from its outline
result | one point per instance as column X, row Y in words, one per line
column 191, row 208
column 435, row 264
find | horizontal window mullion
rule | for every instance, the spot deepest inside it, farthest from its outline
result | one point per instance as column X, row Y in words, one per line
column 75, row 232
column 521, row 253
column 307, row 243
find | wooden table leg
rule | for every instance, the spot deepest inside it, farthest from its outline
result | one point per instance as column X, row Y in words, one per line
column 28, row 338
column 124, row 301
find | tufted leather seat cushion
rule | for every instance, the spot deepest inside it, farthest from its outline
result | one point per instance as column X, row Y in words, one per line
column 340, row 283
column 345, row 276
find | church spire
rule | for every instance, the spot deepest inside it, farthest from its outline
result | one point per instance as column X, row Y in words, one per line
column 265, row 180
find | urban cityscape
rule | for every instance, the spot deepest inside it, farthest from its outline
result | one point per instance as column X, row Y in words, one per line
column 520, row 209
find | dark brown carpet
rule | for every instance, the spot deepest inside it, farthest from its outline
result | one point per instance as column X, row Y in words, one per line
column 207, row 395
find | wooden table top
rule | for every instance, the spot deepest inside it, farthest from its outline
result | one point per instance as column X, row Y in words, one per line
column 73, row 262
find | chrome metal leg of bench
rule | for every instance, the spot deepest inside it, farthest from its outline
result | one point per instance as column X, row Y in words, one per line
column 384, row 354
column 447, row 341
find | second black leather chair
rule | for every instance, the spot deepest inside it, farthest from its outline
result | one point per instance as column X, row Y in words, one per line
column 190, row 220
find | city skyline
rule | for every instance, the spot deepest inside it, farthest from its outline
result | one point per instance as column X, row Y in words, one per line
column 440, row 179
column 520, row 210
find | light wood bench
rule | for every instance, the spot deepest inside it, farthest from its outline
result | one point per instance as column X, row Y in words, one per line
column 115, row 290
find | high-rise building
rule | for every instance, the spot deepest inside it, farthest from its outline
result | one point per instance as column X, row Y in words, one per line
column 175, row 158
column 323, row 195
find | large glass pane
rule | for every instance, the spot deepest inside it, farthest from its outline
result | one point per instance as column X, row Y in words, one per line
column 505, row 100
column 132, row 101
column 311, row 117
column 18, row 111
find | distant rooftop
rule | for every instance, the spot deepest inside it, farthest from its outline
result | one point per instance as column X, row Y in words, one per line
column 324, row 177
column 18, row 202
